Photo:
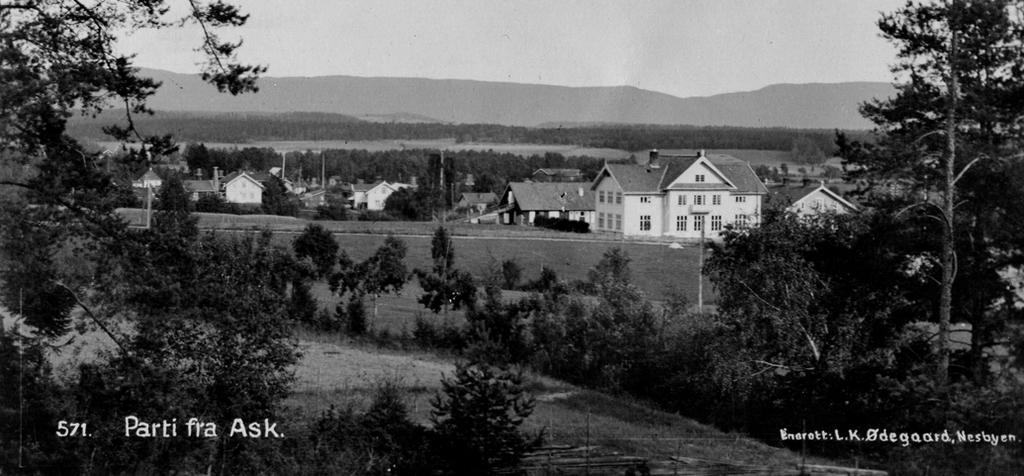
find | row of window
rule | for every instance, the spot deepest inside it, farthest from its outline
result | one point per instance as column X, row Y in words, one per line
column 613, row 219
column 614, row 222
column 682, row 222
column 606, row 197
column 716, row 199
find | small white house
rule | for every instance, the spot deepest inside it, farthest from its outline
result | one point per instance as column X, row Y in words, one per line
column 812, row 200
column 371, row 196
column 240, row 187
column 148, row 180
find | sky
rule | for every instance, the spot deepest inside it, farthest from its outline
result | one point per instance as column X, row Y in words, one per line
column 680, row 47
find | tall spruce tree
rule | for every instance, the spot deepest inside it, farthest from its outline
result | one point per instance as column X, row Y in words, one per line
column 947, row 141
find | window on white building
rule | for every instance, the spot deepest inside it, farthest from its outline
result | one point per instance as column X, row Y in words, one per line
column 600, row 219
column 645, row 199
column 741, row 199
column 698, row 223
column 618, row 198
column 645, row 223
column 682, row 199
column 681, row 223
column 716, row 199
column 600, row 196
column 716, row 222
column 741, row 221
column 699, row 178
column 698, row 199
column 618, row 222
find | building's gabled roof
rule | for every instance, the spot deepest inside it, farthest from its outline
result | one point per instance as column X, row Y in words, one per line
column 792, row 195
column 633, row 178
column 636, row 178
column 149, row 176
column 227, row 179
column 559, row 172
column 366, row 187
column 474, row 198
column 739, row 173
column 200, row 186
column 541, row 196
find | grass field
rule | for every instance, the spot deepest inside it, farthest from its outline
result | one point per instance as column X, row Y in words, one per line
column 659, row 271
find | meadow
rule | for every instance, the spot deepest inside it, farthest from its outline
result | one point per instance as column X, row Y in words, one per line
column 659, row 270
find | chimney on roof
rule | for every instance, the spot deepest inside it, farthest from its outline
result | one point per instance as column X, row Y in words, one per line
column 652, row 162
column 805, row 182
column 579, row 191
column 700, row 153
column 216, row 178
column 199, row 174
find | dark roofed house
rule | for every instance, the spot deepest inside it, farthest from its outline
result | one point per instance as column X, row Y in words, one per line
column 198, row 188
column 522, row 202
column 557, row 175
column 479, row 201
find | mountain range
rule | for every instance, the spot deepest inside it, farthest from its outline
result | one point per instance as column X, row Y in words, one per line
column 809, row 106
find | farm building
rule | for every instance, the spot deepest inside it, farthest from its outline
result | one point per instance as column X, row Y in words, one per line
column 479, row 201
column 681, row 196
column 522, row 202
column 811, row 200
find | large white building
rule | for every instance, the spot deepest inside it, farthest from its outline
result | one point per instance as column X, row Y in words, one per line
column 677, row 196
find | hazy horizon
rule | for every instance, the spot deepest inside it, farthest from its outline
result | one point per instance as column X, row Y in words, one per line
column 694, row 48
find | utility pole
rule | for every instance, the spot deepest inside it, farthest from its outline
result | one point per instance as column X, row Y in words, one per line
column 700, row 274
column 149, row 206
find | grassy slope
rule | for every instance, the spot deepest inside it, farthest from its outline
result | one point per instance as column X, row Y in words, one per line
column 340, row 373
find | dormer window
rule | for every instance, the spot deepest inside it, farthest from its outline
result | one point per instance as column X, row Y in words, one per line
column 699, row 178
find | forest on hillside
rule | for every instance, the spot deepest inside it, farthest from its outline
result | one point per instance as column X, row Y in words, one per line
column 242, row 128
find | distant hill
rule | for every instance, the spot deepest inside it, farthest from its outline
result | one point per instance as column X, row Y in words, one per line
column 817, row 106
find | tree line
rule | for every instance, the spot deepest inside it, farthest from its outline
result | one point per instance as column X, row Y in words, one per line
column 242, row 128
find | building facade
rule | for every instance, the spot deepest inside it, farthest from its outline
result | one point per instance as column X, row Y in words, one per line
column 677, row 196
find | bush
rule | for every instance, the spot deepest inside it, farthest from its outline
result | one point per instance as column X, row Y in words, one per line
column 438, row 336
column 476, row 420
column 511, row 272
column 562, row 224
column 334, row 209
column 355, row 315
